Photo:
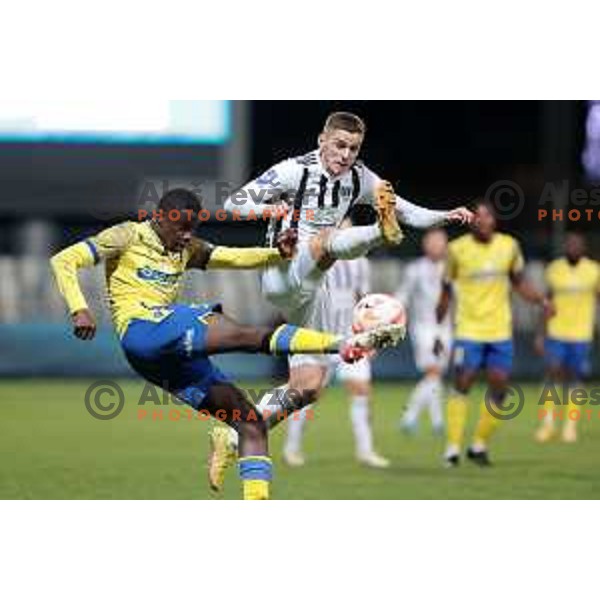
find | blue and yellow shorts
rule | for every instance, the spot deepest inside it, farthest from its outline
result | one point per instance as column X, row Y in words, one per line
column 172, row 353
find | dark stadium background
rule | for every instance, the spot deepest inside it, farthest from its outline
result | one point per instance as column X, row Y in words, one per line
column 437, row 153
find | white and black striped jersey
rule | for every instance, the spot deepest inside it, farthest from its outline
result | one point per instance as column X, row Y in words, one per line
column 322, row 200
column 345, row 283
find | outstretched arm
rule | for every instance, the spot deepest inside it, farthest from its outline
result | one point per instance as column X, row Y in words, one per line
column 422, row 218
column 205, row 256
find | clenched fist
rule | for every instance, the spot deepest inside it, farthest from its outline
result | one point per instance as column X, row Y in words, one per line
column 84, row 324
column 286, row 243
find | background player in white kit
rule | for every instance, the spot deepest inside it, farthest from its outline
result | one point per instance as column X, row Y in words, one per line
column 420, row 290
column 321, row 187
column 345, row 283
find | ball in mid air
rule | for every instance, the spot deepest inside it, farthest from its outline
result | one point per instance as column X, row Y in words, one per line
column 374, row 310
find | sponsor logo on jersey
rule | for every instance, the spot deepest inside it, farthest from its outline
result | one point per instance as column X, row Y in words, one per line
column 149, row 274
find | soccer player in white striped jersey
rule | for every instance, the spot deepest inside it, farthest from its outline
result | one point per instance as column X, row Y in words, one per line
column 420, row 290
column 319, row 189
column 322, row 187
column 345, row 283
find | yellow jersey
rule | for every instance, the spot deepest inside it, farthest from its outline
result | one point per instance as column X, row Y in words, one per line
column 480, row 273
column 142, row 277
column 573, row 289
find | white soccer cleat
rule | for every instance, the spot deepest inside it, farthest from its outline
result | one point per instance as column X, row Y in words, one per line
column 293, row 459
column 373, row 460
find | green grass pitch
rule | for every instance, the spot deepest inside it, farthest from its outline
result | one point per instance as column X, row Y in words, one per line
column 50, row 447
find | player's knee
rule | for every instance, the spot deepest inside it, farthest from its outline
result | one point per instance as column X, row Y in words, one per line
column 304, row 395
column 252, row 336
column 308, row 396
column 253, row 430
column 462, row 383
column 433, row 372
column 306, row 378
column 498, row 380
column 358, row 388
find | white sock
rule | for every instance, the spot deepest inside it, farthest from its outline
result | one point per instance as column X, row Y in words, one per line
column 295, row 430
column 361, row 425
column 451, row 450
column 435, row 403
column 353, row 242
column 278, row 405
column 275, row 407
column 417, row 401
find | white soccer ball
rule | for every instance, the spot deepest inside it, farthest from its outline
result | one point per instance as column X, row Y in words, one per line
column 374, row 310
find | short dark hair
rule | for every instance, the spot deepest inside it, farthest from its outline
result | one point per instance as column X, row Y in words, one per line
column 346, row 121
column 180, row 199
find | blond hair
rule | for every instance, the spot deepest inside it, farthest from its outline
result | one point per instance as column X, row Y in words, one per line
column 345, row 121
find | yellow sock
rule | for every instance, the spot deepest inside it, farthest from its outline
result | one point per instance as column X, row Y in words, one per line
column 256, row 473
column 256, row 489
column 457, row 417
column 289, row 339
column 486, row 426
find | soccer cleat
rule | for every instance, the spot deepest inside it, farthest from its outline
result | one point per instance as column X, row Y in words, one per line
column 293, row 459
column 385, row 205
column 545, row 433
column 360, row 345
column 451, row 461
column 222, row 454
column 479, row 457
column 373, row 460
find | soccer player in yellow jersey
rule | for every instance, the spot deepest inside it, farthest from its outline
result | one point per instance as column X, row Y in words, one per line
column 573, row 283
column 169, row 344
column 482, row 268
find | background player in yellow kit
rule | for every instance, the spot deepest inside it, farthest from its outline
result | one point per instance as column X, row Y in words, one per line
column 168, row 343
column 573, row 282
column 482, row 267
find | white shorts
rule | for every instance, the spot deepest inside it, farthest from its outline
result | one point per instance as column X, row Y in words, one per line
column 293, row 286
column 343, row 371
column 423, row 339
